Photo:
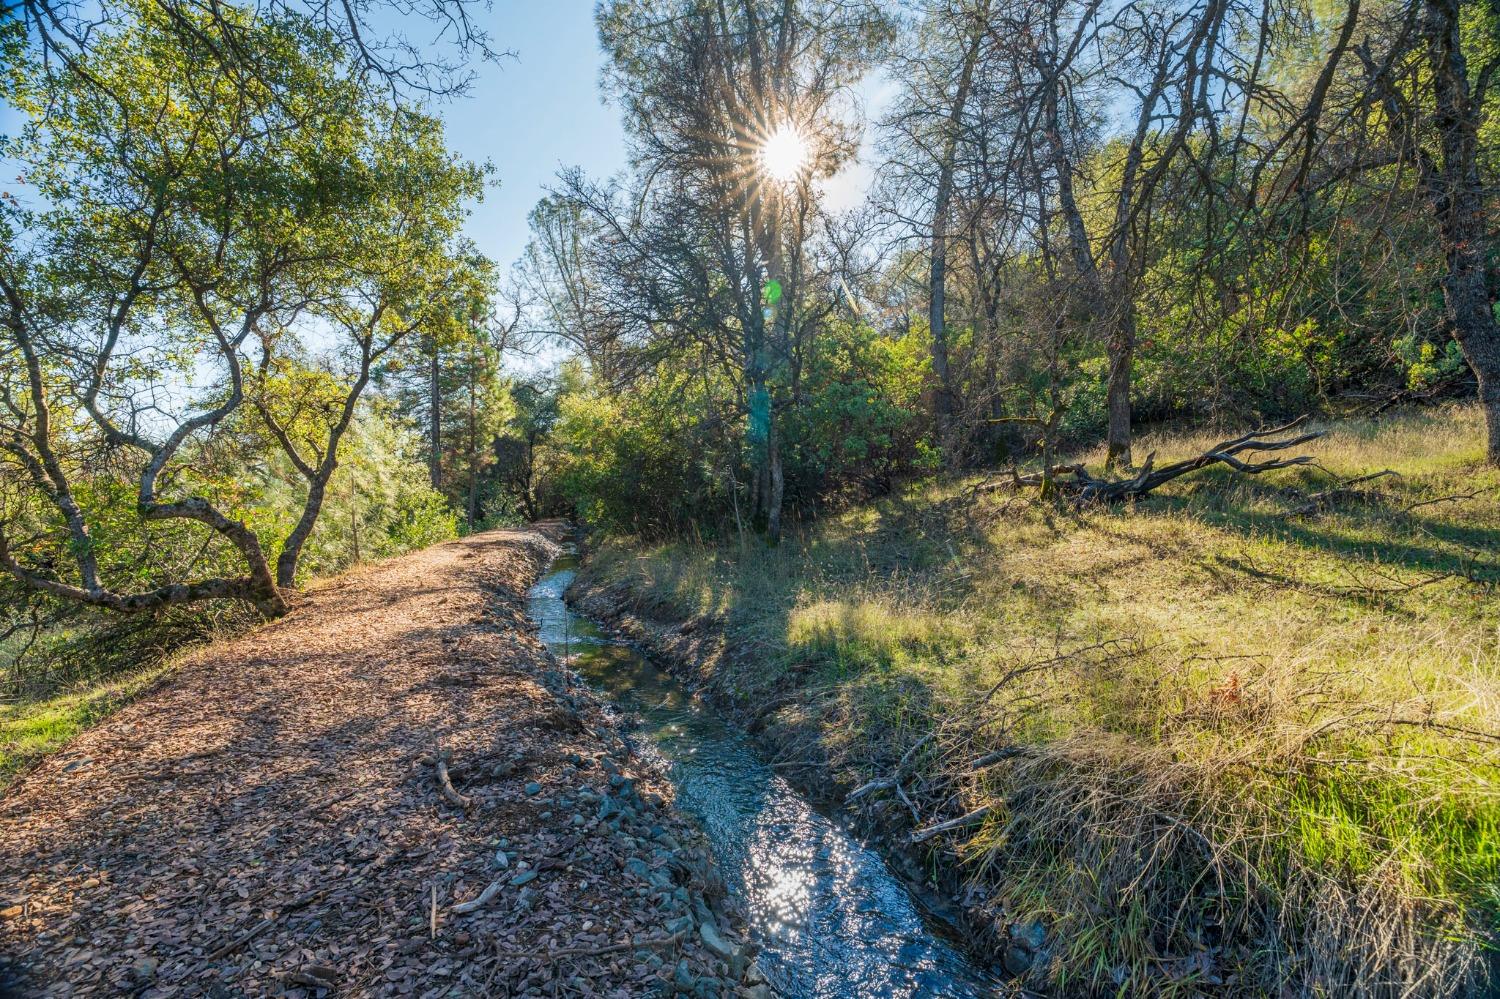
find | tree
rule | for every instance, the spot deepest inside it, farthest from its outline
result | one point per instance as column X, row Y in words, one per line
column 715, row 246
column 930, row 121
column 1432, row 105
column 188, row 215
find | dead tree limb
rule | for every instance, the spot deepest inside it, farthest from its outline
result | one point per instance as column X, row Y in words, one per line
column 445, row 782
column 1318, row 502
column 963, row 820
column 481, row 900
column 1077, row 484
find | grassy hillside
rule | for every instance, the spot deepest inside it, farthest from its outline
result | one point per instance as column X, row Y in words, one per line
column 1223, row 743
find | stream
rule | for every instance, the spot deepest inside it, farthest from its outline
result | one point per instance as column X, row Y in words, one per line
column 831, row 917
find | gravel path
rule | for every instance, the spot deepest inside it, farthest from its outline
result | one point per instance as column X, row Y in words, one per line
column 270, row 821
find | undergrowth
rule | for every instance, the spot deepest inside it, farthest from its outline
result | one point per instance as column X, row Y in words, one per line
column 1226, row 746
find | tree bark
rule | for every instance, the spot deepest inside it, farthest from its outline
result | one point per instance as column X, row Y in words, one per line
column 1121, row 356
column 778, row 489
column 473, row 447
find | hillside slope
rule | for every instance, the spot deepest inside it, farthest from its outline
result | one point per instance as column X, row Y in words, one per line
column 1242, row 737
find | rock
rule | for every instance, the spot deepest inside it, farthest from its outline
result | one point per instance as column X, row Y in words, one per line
column 758, row 991
column 144, row 967
column 525, row 877
column 638, row 867
column 501, row 860
column 1031, row 935
column 711, row 939
column 533, row 788
column 1017, row 959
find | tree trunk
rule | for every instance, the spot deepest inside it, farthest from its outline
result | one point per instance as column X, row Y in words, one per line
column 943, row 404
column 434, row 431
column 473, row 448
column 778, row 488
column 1456, row 194
column 1121, row 351
column 291, row 552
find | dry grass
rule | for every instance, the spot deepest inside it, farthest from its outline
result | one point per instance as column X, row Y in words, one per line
column 1256, row 751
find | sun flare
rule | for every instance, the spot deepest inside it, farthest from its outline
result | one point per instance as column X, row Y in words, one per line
column 784, row 154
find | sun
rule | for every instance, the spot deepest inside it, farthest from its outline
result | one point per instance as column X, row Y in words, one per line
column 784, row 154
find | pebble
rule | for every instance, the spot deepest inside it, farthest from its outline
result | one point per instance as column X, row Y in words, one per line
column 523, row 878
column 533, row 788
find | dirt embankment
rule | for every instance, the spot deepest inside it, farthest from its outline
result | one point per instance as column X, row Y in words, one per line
column 272, row 821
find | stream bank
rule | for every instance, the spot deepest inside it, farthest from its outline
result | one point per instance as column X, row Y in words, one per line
column 692, row 650
column 831, row 918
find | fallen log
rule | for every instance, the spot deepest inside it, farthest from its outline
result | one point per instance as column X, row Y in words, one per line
column 1076, row 483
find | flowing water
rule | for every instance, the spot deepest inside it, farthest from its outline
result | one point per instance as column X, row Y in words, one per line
column 831, row 917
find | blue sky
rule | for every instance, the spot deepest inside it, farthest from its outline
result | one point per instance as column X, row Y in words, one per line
column 541, row 110
column 533, row 114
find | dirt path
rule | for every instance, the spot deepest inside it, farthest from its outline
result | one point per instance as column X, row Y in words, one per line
column 269, row 820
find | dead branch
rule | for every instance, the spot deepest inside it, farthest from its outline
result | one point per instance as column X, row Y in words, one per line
column 552, row 955
column 969, row 819
column 1455, row 498
column 893, row 781
column 1379, row 403
column 1318, row 502
column 481, row 900
column 1076, row 483
column 445, row 782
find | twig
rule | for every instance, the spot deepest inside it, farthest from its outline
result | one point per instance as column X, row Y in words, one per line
column 976, row 815
column 265, row 924
column 1455, row 498
column 445, row 783
column 1326, row 498
column 518, row 955
column 480, row 901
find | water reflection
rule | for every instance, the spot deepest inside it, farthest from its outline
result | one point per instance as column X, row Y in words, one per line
column 833, row 919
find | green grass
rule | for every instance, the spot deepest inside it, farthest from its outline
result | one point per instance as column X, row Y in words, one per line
column 1271, row 736
column 34, row 728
